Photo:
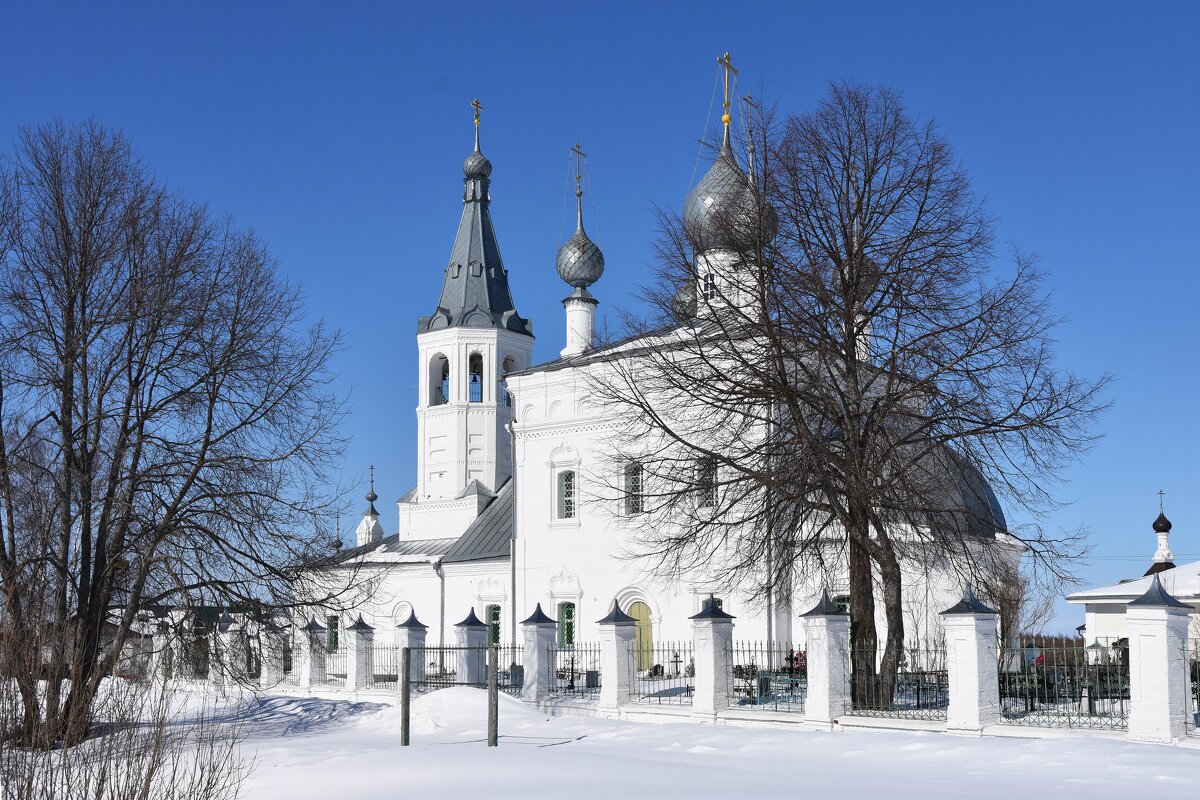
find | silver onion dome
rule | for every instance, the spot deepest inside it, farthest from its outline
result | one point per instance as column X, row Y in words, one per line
column 579, row 262
column 477, row 166
column 722, row 209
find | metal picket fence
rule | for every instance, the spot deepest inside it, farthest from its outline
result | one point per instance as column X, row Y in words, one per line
column 335, row 666
column 438, row 668
column 770, row 675
column 664, row 672
column 574, row 669
column 1065, row 684
column 918, row 689
column 385, row 667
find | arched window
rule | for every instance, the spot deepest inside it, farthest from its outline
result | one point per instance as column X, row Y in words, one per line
column 492, row 615
column 709, row 287
column 475, row 378
column 566, row 494
column 634, row 501
column 706, row 481
column 566, row 624
column 439, row 380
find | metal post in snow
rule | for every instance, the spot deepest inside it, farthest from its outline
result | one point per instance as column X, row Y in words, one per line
column 404, row 695
column 493, row 699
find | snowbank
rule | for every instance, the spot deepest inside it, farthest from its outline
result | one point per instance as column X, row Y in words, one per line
column 330, row 749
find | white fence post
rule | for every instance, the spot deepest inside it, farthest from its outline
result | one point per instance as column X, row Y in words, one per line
column 411, row 634
column 618, row 632
column 162, row 649
column 471, row 633
column 539, row 633
column 1158, row 676
column 712, row 636
column 312, row 654
column 827, row 635
column 229, row 661
column 972, row 664
column 271, row 651
column 360, row 656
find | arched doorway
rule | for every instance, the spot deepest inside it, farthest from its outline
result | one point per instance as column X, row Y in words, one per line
column 644, row 639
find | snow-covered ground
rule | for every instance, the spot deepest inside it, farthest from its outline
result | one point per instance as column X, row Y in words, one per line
column 329, row 749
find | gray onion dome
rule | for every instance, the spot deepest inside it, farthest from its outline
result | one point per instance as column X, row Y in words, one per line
column 477, row 166
column 580, row 262
column 721, row 210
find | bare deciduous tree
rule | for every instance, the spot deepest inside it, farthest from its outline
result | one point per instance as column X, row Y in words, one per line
column 834, row 376
column 166, row 417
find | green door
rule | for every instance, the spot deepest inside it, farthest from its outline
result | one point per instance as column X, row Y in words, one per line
column 644, row 643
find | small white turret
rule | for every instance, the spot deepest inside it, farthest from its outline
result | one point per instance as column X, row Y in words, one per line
column 580, row 263
column 369, row 530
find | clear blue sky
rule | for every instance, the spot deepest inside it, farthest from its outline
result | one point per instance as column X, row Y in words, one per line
column 337, row 131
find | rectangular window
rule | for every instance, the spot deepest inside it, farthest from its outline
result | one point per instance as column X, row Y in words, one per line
column 634, row 502
column 331, row 635
column 566, row 494
column 566, row 624
column 706, row 481
column 493, row 622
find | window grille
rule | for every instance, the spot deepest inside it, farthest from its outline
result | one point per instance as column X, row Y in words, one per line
column 566, row 624
column 706, row 481
column 331, row 636
column 566, row 494
column 634, row 502
column 710, row 288
column 492, row 613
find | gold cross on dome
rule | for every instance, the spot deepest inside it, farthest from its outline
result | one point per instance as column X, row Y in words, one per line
column 726, row 62
column 478, row 107
column 579, row 157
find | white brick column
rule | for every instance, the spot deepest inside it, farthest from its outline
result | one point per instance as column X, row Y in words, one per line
column 161, row 666
column 972, row 661
column 271, row 646
column 1158, row 676
column 471, row 664
column 360, row 656
column 411, row 634
column 827, row 652
column 617, row 634
column 539, row 634
column 227, row 663
column 712, row 636
column 312, row 654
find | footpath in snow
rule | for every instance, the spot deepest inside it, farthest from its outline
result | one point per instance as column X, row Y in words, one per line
column 321, row 748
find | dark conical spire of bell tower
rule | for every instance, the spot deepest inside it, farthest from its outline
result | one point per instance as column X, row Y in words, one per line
column 475, row 291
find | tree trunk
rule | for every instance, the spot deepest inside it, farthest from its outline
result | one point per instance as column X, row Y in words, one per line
column 889, row 666
column 863, row 636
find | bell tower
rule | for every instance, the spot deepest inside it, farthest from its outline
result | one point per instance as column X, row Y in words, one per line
column 473, row 338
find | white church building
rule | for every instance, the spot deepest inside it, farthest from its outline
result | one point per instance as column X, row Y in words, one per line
column 1104, row 606
column 502, row 517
